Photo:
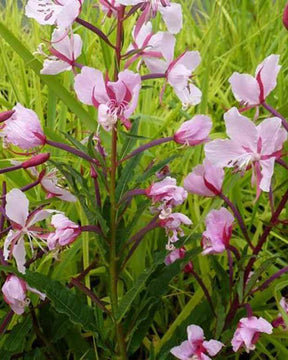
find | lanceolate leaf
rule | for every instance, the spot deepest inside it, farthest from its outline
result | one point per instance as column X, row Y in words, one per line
column 50, row 81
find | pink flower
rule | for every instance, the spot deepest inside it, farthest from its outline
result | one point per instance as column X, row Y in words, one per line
column 172, row 225
column 66, row 231
column 156, row 50
column 23, row 223
column 195, row 131
column 21, row 127
column 249, row 145
column 65, row 49
column 248, row 332
column 175, row 255
column 196, row 347
column 178, row 254
column 252, row 91
column 54, row 12
column 178, row 76
column 114, row 100
column 279, row 321
column 167, row 192
column 170, row 12
column 205, row 180
column 14, row 291
column 218, row 231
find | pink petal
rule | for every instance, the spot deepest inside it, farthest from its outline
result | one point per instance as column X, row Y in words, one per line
column 183, row 351
column 190, row 95
column 54, row 67
column 172, row 16
column 272, row 135
column 190, row 59
column 213, row 346
column 195, row 333
column 240, row 129
column 19, row 254
column 269, row 71
column 17, row 206
column 68, row 14
column 245, row 88
column 35, row 291
column 267, row 169
column 86, row 82
column 222, row 153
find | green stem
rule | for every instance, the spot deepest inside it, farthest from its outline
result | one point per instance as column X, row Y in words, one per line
column 113, row 205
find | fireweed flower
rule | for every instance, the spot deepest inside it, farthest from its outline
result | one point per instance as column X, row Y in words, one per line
column 172, row 225
column 279, row 321
column 156, row 50
column 167, row 193
column 248, row 332
column 205, row 180
column 114, row 100
column 66, row 232
column 15, row 291
column 175, row 255
column 21, row 127
column 23, row 223
column 170, row 12
column 54, row 12
column 216, row 237
column 196, row 347
column 252, row 91
column 195, row 131
column 65, row 49
column 249, row 146
column 179, row 73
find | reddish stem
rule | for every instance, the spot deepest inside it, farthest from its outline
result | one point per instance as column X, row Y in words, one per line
column 275, row 113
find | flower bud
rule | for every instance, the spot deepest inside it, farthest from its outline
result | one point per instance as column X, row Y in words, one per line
column 285, row 17
column 36, row 160
column 195, row 131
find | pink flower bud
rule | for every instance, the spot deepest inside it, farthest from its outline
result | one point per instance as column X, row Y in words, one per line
column 23, row 129
column 285, row 16
column 5, row 115
column 66, row 231
column 14, row 291
column 36, row 160
column 195, row 131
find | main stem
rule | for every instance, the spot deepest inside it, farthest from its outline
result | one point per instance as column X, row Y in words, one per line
column 113, row 220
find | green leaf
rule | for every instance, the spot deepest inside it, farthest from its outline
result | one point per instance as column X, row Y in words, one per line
column 139, row 284
column 127, row 176
column 15, row 339
column 262, row 268
column 52, row 82
column 63, row 300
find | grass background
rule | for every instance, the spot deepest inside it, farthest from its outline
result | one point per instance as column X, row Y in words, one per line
column 231, row 35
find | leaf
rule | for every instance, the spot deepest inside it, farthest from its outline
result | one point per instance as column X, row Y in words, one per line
column 263, row 267
column 138, row 286
column 130, row 140
column 63, row 300
column 126, row 176
column 52, row 82
column 15, row 339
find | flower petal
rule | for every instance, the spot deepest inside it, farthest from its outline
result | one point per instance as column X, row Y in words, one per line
column 269, row 71
column 245, row 88
column 172, row 16
column 17, row 206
